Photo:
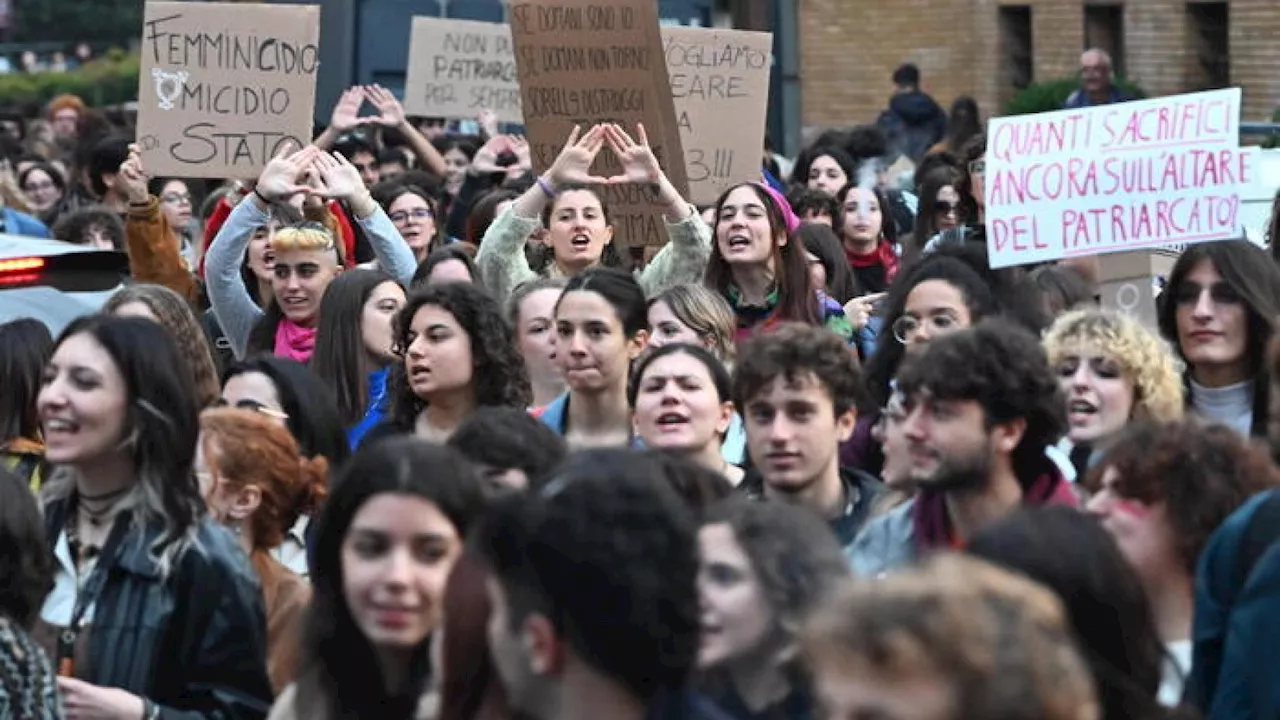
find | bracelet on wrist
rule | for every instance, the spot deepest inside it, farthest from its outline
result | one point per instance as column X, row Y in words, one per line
column 547, row 190
column 262, row 197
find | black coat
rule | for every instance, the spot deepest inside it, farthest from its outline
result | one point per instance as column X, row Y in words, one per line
column 195, row 644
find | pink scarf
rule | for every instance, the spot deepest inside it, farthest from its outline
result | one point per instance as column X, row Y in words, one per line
column 294, row 341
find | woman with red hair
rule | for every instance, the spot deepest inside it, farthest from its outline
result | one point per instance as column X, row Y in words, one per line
column 255, row 481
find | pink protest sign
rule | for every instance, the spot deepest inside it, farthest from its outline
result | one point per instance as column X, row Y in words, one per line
column 1114, row 178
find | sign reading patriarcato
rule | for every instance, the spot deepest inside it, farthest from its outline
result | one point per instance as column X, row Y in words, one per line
column 459, row 67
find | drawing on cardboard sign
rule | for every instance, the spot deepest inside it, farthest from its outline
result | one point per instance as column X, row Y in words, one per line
column 224, row 86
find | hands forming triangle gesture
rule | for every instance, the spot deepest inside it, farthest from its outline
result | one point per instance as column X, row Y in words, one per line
column 573, row 165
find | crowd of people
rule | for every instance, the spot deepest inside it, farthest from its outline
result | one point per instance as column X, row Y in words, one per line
column 398, row 429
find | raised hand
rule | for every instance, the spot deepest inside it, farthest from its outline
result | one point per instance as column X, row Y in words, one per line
column 639, row 165
column 391, row 112
column 346, row 114
column 282, row 178
column 573, row 164
column 131, row 181
column 486, row 159
column 335, row 177
column 520, row 146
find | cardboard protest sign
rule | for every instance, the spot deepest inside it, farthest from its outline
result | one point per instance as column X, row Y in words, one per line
column 459, row 67
column 1117, row 177
column 720, row 82
column 583, row 62
column 1127, row 283
column 223, row 86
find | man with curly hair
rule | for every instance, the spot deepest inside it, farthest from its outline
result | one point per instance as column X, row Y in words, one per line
column 981, row 406
column 797, row 389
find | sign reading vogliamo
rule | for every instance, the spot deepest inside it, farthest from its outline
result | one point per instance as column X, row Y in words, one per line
column 224, row 86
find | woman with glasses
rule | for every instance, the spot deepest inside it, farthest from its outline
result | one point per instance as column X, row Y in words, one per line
column 307, row 257
column 414, row 213
column 940, row 209
column 946, row 291
column 44, row 189
column 295, row 398
column 176, row 202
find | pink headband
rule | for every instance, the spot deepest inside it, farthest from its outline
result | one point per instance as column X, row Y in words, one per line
column 788, row 215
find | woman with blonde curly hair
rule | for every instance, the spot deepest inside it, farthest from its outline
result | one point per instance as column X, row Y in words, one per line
column 1112, row 370
column 256, row 482
column 171, row 310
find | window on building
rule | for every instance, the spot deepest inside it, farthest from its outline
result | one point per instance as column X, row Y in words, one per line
column 1016, row 50
column 1208, row 33
column 1104, row 29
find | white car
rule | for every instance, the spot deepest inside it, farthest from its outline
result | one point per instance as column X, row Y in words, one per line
column 56, row 282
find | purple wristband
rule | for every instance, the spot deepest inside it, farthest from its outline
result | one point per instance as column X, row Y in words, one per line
column 546, row 188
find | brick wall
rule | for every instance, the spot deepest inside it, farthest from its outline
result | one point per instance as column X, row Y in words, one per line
column 849, row 49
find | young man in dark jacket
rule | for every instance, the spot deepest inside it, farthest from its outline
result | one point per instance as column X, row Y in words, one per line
column 797, row 388
column 914, row 122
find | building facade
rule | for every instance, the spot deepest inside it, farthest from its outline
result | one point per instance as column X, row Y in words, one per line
column 990, row 48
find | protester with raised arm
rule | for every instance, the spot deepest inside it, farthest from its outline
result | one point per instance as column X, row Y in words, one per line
column 568, row 200
column 307, row 256
column 346, row 117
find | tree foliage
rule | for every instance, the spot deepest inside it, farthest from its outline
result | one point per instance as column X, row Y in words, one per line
column 74, row 21
column 1049, row 95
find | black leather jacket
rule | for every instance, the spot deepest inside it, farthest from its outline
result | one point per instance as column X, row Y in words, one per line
column 195, row 644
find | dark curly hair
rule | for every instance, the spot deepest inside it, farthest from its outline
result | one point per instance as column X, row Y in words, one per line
column 1002, row 367
column 74, row 227
column 609, row 558
column 1202, row 473
column 792, row 351
column 508, row 438
column 499, row 375
column 25, row 561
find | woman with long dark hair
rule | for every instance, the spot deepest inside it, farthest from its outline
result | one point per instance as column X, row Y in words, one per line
column 25, row 347
column 393, row 529
column 457, row 354
column 355, row 346
column 755, row 266
column 963, row 123
column 1217, row 311
column 1069, row 553
column 154, row 609
column 602, row 326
